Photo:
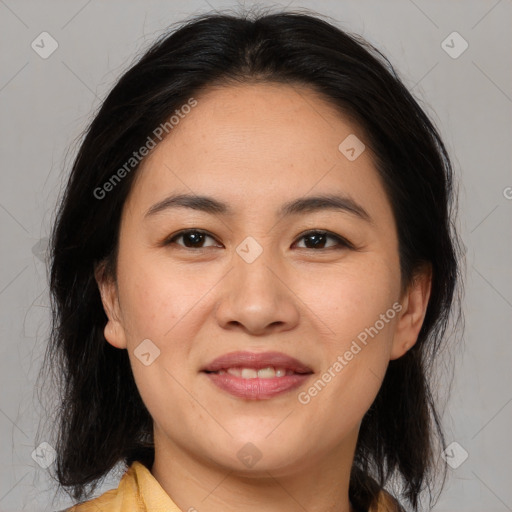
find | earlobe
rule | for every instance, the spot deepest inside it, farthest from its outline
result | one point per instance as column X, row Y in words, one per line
column 114, row 330
column 414, row 308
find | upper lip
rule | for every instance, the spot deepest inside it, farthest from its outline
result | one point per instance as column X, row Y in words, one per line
column 257, row 361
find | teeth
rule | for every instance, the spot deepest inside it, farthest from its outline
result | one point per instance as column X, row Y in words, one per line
column 250, row 373
column 267, row 373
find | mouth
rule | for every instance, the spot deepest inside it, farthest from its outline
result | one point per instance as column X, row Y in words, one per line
column 268, row 372
column 257, row 376
column 257, row 361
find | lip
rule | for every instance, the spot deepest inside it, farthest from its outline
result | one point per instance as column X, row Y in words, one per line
column 257, row 361
column 257, row 388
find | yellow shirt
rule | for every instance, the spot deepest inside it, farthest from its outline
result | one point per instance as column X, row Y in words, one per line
column 139, row 491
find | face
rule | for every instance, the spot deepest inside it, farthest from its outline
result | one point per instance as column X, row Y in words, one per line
column 318, row 283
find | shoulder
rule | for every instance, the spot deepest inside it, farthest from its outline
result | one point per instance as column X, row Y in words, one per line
column 105, row 502
column 110, row 501
column 138, row 491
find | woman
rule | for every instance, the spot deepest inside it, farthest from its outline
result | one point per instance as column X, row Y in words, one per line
column 253, row 267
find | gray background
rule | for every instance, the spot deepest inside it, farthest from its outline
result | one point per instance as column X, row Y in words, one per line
column 46, row 103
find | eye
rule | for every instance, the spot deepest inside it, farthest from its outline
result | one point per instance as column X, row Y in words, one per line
column 318, row 238
column 193, row 238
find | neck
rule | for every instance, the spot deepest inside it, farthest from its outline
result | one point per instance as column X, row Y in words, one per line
column 314, row 485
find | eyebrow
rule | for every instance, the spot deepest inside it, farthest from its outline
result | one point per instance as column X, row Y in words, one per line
column 295, row 207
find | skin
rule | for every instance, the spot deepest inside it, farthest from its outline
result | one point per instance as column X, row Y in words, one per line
column 256, row 146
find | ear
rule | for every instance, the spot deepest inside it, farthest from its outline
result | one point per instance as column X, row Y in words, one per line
column 114, row 330
column 414, row 306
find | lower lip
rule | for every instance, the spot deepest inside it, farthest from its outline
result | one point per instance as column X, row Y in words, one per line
column 257, row 389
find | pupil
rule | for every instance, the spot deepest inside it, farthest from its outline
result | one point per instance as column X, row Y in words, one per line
column 319, row 239
column 195, row 237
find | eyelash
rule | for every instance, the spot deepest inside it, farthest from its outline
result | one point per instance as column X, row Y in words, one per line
column 342, row 242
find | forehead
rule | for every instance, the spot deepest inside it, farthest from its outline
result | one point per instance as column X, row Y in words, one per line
column 259, row 142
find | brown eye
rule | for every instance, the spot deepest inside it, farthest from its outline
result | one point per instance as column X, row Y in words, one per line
column 192, row 239
column 195, row 239
column 318, row 240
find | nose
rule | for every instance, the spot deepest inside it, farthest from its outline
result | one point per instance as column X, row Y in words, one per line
column 256, row 297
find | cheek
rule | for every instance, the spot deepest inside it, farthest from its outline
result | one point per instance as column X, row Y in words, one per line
column 156, row 310
column 156, row 298
column 352, row 298
column 348, row 382
column 161, row 304
column 359, row 308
